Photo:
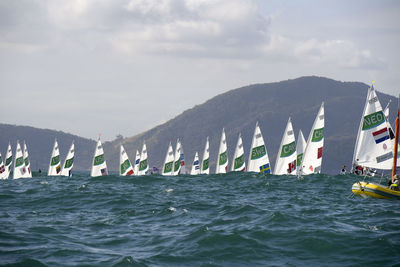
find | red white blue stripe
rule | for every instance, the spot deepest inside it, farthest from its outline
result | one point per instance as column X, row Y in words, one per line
column 381, row 135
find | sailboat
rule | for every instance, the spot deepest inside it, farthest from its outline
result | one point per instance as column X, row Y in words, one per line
column 168, row 162
column 196, row 165
column 54, row 165
column 222, row 159
column 390, row 129
column 312, row 157
column 373, row 147
column 366, row 189
column 2, row 168
column 19, row 165
column 300, row 147
column 28, row 171
column 143, row 164
column 137, row 161
column 69, row 162
column 125, row 166
column 258, row 158
column 287, row 156
column 177, row 158
column 239, row 164
column 205, row 169
column 8, row 162
column 182, row 160
column 99, row 166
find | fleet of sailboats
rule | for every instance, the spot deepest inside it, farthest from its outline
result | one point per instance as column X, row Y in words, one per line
column 373, row 149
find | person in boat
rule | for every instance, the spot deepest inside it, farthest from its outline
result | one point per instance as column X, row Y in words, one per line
column 359, row 170
column 343, row 171
column 395, row 184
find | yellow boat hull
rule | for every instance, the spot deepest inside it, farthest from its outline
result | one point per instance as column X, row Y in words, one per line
column 365, row 189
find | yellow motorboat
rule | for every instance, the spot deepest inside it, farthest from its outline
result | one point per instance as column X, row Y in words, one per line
column 366, row 189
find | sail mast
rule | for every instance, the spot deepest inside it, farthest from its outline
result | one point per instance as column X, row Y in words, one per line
column 396, row 141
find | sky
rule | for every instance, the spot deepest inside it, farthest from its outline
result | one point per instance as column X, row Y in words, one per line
column 124, row 66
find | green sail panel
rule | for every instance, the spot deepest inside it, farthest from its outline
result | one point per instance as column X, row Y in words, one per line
column 98, row 160
column 68, row 163
column 55, row 160
column 168, row 167
column 238, row 162
column 258, row 152
column 205, row 165
column 288, row 149
column 177, row 164
column 223, row 158
column 299, row 159
column 8, row 161
column 19, row 162
column 318, row 135
column 373, row 120
column 125, row 165
column 143, row 165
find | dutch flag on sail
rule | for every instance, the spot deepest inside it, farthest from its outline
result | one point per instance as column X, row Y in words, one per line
column 381, row 135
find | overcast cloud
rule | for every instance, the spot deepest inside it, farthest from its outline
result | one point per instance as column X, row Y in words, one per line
column 124, row 66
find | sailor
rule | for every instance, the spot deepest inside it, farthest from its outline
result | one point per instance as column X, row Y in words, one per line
column 343, row 171
column 395, row 184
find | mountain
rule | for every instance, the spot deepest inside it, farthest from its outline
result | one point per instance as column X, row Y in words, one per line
column 237, row 110
column 40, row 145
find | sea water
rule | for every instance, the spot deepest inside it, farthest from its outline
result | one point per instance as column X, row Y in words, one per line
column 235, row 219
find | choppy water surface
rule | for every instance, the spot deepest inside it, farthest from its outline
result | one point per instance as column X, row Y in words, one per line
column 216, row 220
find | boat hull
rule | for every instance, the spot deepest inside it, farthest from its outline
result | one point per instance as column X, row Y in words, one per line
column 365, row 189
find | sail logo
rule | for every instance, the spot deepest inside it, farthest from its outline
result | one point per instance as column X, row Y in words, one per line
column 321, row 117
column 8, row 161
column 299, row 159
column 205, row 164
column 290, row 132
column 318, row 135
column 125, row 166
column 98, row 160
column 381, row 135
column 373, row 100
column 258, row 136
column 68, row 163
column 168, row 167
column 177, row 164
column 373, row 120
column 55, row 160
column 265, row 168
column 223, row 158
column 19, row 162
column 384, row 157
column 258, row 152
column 239, row 161
column 288, row 149
column 143, row 165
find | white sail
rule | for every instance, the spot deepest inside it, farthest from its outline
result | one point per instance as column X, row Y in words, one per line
column 373, row 148
column 28, row 171
column 177, row 158
column 196, row 165
column 99, row 165
column 8, row 162
column 312, row 157
column 287, row 156
column 54, row 165
column 205, row 169
column 19, row 165
column 182, row 160
column 143, row 164
column 258, row 158
column 2, row 168
column 168, row 162
column 125, row 166
column 238, row 162
column 222, row 159
column 137, row 161
column 300, row 147
column 69, row 162
column 391, row 132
